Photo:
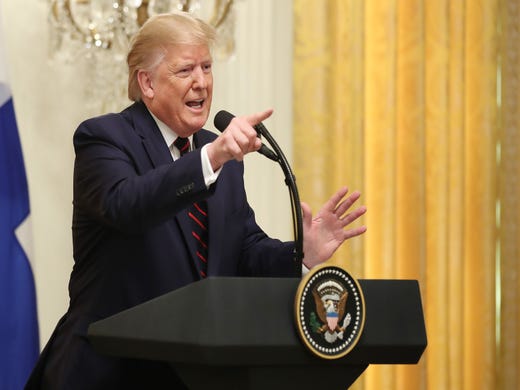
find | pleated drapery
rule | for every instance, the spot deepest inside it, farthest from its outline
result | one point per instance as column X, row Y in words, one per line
column 416, row 103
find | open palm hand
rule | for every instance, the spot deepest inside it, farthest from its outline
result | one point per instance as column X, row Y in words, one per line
column 326, row 232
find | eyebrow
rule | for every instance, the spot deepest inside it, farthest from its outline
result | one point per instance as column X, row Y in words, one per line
column 184, row 63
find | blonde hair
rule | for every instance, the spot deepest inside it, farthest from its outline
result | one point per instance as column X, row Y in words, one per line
column 151, row 43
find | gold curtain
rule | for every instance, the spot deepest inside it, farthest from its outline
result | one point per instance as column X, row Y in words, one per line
column 417, row 104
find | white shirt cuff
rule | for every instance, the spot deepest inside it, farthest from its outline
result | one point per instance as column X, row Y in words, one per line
column 210, row 177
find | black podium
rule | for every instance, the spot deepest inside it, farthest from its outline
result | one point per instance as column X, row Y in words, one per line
column 240, row 332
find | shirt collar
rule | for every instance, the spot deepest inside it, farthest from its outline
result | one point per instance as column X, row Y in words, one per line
column 168, row 134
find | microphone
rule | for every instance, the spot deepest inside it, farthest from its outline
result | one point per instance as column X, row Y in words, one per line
column 222, row 120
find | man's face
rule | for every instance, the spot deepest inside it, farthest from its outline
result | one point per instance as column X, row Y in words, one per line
column 182, row 87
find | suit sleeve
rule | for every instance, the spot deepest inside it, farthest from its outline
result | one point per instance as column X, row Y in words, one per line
column 116, row 183
column 268, row 257
column 240, row 236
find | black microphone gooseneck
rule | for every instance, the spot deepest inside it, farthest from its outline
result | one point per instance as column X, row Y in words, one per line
column 221, row 121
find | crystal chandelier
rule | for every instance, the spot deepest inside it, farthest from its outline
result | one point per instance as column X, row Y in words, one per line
column 96, row 34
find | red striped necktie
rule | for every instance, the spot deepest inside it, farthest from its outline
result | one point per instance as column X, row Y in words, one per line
column 198, row 214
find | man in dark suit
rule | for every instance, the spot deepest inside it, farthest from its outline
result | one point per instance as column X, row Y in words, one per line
column 160, row 203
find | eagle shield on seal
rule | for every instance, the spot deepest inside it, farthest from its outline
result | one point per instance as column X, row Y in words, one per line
column 330, row 298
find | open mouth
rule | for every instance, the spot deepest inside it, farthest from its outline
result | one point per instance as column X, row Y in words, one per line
column 196, row 104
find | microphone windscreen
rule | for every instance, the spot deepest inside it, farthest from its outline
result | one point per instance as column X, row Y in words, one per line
column 222, row 119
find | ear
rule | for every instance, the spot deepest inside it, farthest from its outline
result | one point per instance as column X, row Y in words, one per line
column 145, row 83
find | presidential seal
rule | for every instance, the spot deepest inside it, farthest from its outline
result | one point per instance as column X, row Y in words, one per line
column 330, row 311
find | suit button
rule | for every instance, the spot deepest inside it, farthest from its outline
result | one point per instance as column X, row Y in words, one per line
column 185, row 189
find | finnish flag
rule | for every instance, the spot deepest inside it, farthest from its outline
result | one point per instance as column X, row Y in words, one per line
column 19, row 339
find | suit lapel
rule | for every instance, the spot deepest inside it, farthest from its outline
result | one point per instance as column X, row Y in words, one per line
column 152, row 139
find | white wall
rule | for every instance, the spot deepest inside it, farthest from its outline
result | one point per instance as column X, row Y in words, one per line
column 50, row 102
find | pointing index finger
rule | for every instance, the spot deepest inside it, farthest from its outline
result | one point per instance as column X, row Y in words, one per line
column 254, row 119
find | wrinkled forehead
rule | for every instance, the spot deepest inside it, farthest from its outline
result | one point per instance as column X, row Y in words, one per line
column 174, row 54
column 187, row 50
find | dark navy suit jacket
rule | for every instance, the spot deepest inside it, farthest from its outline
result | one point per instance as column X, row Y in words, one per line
column 132, row 242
